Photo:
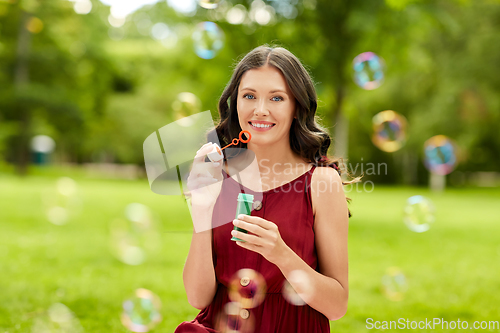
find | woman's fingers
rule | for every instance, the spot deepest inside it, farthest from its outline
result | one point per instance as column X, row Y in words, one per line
column 253, row 228
column 252, row 239
column 202, row 152
column 258, row 221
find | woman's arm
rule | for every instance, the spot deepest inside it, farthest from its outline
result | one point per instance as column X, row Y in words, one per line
column 199, row 274
column 327, row 292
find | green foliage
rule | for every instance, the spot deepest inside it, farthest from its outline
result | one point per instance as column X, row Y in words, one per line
column 100, row 97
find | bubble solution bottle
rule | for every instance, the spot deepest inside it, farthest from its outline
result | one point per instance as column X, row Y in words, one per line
column 245, row 202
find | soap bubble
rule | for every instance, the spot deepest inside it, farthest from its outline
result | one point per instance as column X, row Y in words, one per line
column 302, row 283
column 58, row 318
column 133, row 236
column 208, row 39
column 389, row 131
column 209, row 4
column 248, row 288
column 185, row 105
column 419, row 213
column 62, row 202
column 440, row 155
column 368, row 70
column 394, row 284
column 141, row 312
column 235, row 319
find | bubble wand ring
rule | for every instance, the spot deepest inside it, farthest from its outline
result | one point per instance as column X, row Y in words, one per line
column 235, row 141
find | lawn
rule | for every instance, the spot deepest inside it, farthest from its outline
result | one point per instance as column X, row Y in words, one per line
column 452, row 270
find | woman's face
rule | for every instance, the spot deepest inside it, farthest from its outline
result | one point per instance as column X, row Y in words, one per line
column 266, row 105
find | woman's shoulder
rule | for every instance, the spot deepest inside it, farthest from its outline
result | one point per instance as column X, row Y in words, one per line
column 323, row 175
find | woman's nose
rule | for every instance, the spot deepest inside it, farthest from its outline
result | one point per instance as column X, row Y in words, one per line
column 261, row 109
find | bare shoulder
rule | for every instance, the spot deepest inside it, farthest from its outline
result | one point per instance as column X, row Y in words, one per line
column 326, row 189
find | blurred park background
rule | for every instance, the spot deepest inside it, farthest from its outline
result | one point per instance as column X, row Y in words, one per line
column 83, row 83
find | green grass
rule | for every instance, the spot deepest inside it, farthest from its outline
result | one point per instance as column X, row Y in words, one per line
column 452, row 270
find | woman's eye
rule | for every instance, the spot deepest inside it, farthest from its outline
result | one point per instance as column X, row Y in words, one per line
column 277, row 98
column 248, row 96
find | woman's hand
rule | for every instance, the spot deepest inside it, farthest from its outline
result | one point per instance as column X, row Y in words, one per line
column 205, row 179
column 264, row 238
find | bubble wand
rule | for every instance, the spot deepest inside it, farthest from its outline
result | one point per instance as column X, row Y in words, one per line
column 215, row 155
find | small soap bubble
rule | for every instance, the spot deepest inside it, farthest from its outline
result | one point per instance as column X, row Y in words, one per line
column 419, row 213
column 134, row 235
column 186, row 104
column 440, row 155
column 62, row 202
column 302, row 283
column 368, row 70
column 58, row 318
column 248, row 288
column 208, row 39
column 389, row 131
column 141, row 312
column 394, row 284
column 209, row 4
column 235, row 319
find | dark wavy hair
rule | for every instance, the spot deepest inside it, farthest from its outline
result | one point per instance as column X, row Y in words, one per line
column 307, row 138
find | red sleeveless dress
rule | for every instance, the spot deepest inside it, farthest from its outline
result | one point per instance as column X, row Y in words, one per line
column 289, row 207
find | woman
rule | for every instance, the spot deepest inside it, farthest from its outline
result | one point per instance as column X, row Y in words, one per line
column 302, row 222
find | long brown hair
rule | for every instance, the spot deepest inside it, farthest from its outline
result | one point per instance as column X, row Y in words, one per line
column 307, row 138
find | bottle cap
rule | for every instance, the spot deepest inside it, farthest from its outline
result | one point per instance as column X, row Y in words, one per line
column 245, row 197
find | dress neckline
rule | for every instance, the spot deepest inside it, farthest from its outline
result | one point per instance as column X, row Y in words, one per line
column 275, row 189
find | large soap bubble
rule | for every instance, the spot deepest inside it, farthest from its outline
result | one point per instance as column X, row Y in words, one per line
column 389, row 131
column 141, row 312
column 248, row 288
column 235, row 319
column 208, row 39
column 440, row 155
column 419, row 213
column 368, row 70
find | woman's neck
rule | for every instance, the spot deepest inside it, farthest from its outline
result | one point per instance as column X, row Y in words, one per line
column 275, row 157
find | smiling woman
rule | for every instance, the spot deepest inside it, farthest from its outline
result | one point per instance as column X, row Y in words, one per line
column 297, row 239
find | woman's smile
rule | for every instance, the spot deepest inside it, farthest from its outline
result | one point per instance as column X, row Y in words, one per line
column 261, row 126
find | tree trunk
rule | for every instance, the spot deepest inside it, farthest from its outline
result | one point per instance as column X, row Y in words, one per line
column 21, row 79
column 341, row 129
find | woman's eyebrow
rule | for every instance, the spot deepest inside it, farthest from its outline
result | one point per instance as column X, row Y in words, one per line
column 272, row 91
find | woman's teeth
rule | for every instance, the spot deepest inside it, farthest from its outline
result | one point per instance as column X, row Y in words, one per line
column 262, row 125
